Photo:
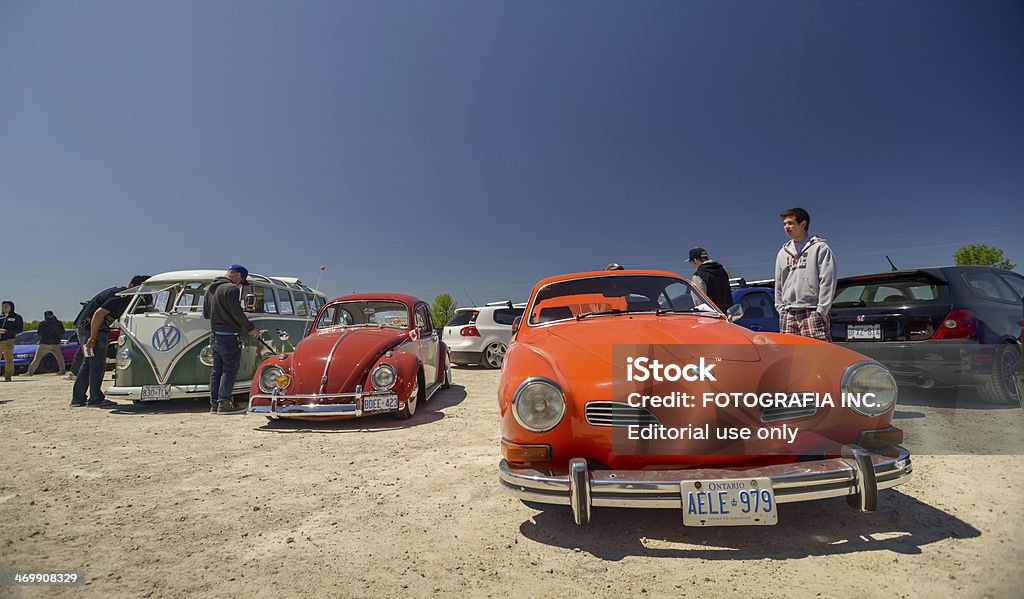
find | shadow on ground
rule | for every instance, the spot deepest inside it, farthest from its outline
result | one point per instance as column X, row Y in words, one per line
column 827, row 527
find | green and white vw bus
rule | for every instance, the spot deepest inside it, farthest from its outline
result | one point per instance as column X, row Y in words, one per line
column 164, row 348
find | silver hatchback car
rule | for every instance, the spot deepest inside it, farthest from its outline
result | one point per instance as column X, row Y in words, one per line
column 481, row 335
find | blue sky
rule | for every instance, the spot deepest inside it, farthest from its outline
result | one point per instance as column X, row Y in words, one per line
column 430, row 147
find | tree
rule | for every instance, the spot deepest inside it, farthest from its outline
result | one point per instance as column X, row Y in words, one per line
column 443, row 309
column 983, row 255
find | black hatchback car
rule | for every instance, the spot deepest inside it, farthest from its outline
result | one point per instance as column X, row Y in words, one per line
column 947, row 327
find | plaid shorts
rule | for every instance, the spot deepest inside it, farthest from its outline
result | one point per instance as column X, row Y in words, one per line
column 806, row 322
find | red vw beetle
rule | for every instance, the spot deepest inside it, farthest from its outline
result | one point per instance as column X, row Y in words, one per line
column 365, row 354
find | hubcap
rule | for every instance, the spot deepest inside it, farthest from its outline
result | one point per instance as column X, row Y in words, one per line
column 1009, row 362
column 495, row 354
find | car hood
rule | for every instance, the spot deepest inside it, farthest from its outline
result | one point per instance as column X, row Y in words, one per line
column 355, row 350
column 682, row 336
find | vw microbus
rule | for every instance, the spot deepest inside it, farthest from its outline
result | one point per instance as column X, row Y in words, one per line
column 164, row 349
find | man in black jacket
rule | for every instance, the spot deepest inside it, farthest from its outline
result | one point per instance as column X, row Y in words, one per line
column 93, row 325
column 223, row 306
column 51, row 333
column 10, row 325
column 711, row 278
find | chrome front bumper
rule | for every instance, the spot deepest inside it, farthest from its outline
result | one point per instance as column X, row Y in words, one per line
column 310, row 405
column 177, row 392
column 858, row 475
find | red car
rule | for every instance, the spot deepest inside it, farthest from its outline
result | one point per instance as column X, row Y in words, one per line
column 365, row 354
column 629, row 389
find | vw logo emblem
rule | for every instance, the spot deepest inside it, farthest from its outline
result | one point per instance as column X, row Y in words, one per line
column 166, row 337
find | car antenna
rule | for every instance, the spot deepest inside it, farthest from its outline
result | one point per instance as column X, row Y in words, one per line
column 469, row 296
column 309, row 313
column 890, row 263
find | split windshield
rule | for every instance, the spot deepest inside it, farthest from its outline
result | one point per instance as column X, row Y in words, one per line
column 615, row 294
column 364, row 313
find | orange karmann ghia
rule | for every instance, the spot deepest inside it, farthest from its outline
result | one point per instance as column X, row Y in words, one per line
column 586, row 419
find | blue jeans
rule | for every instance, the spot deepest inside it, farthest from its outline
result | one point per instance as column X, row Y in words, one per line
column 90, row 373
column 227, row 353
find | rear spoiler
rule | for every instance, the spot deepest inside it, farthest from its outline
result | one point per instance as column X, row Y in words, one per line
column 936, row 275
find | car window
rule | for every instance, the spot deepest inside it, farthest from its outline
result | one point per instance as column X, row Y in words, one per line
column 27, row 338
column 889, row 291
column 613, row 294
column 463, row 317
column 507, row 315
column 364, row 312
column 758, row 304
column 300, row 303
column 422, row 319
column 327, row 318
column 1017, row 283
column 989, row 285
column 284, row 301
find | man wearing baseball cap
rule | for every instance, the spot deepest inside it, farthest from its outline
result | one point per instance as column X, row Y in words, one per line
column 711, row 278
column 223, row 306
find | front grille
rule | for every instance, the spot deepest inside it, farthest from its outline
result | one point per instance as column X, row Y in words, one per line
column 784, row 412
column 617, row 413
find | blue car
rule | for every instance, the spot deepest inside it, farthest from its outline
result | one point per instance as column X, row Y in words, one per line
column 27, row 342
column 758, row 304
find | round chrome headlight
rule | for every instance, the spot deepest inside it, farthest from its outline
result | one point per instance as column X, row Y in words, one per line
column 124, row 359
column 206, row 355
column 868, row 389
column 383, row 377
column 268, row 378
column 538, row 404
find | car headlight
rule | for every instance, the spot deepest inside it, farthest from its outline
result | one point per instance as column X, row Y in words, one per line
column 268, row 378
column 538, row 404
column 862, row 378
column 124, row 359
column 383, row 377
column 206, row 355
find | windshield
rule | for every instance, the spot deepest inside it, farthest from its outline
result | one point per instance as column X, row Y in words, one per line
column 364, row 313
column 889, row 291
column 185, row 296
column 615, row 294
column 27, row 338
column 463, row 317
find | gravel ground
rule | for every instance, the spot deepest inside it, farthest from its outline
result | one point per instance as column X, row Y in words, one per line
column 169, row 501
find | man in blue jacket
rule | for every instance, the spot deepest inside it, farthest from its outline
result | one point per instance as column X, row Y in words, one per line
column 10, row 325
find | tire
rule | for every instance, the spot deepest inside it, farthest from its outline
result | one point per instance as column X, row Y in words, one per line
column 48, row 365
column 447, row 382
column 493, row 356
column 415, row 398
column 1003, row 388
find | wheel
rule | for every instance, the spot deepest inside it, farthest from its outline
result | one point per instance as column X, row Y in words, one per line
column 494, row 355
column 411, row 403
column 47, row 366
column 1002, row 387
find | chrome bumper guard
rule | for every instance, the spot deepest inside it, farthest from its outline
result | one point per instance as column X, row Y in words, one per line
column 858, row 475
column 314, row 408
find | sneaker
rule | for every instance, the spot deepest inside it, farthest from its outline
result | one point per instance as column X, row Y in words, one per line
column 78, row 404
column 106, row 403
column 230, row 407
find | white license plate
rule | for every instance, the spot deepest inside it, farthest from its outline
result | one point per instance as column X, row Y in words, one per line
column 863, row 331
column 729, row 502
column 155, row 393
column 386, row 403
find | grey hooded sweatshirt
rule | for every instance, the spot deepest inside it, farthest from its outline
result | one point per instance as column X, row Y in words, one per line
column 807, row 279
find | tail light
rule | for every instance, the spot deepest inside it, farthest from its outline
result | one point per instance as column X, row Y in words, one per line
column 958, row 324
column 469, row 331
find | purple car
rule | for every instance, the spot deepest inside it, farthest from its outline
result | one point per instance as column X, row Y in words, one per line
column 27, row 342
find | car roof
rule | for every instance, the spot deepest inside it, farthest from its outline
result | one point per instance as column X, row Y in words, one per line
column 394, row 297
column 606, row 273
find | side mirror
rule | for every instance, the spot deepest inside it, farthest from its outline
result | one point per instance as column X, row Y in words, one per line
column 515, row 324
column 734, row 313
column 282, row 334
column 250, row 302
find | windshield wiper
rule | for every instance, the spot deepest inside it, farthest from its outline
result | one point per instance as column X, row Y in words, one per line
column 600, row 313
column 687, row 311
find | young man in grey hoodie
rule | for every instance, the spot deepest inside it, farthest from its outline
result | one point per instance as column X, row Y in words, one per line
column 805, row 279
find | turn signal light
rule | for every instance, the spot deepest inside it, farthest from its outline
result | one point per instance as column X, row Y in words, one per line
column 518, row 454
column 469, row 331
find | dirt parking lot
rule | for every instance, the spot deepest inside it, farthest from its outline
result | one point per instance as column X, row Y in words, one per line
column 169, row 501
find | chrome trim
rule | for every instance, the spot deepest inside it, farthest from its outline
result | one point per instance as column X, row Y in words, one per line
column 330, row 356
column 778, row 414
column 314, row 408
column 177, row 391
column 848, row 374
column 859, row 475
column 618, row 414
column 538, row 379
